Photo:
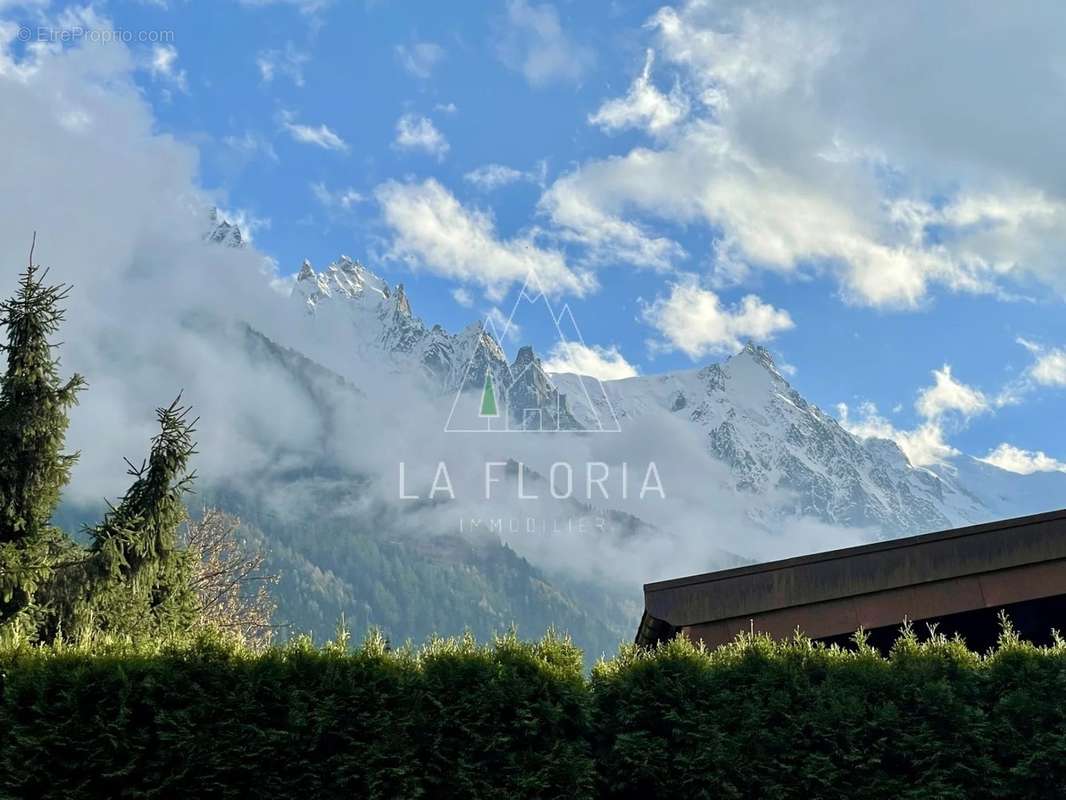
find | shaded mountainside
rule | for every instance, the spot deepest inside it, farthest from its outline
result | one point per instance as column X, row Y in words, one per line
column 341, row 555
column 335, row 566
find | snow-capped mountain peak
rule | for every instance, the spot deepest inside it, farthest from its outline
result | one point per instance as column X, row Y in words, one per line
column 344, row 278
column 222, row 231
column 780, row 446
column 743, row 410
column 759, row 355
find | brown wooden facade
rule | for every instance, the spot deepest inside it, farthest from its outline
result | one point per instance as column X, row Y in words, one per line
column 959, row 579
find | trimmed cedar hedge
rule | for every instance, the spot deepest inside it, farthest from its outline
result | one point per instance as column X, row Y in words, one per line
column 512, row 720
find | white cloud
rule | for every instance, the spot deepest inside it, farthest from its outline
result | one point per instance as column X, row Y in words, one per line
column 1049, row 369
column 338, row 199
column 946, row 406
column 812, row 150
column 1024, row 462
column 462, row 297
column 924, row 445
column 163, row 66
column 321, row 136
column 602, row 363
column 535, row 44
column 947, row 394
column 694, row 321
column 415, row 132
column 768, row 217
column 134, row 193
column 432, row 229
column 644, row 106
column 446, row 108
column 580, row 205
column 503, row 326
column 420, row 58
column 288, row 63
column 493, row 176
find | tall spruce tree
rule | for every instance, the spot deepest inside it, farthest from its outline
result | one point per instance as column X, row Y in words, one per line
column 135, row 579
column 140, row 577
column 33, row 424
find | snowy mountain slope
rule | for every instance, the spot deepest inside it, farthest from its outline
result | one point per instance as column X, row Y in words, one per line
column 744, row 411
column 381, row 318
column 749, row 417
column 1004, row 493
column 223, row 232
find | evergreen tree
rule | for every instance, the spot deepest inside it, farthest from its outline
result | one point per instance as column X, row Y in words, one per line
column 33, row 467
column 140, row 581
column 136, row 579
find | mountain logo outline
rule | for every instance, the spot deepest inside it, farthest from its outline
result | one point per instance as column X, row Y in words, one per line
column 499, row 395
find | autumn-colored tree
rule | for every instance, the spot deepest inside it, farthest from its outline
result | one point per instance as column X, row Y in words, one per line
column 230, row 579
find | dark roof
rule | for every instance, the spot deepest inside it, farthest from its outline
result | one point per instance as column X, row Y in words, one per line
column 816, row 584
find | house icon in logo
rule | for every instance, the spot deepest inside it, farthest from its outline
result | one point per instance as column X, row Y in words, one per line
column 499, row 395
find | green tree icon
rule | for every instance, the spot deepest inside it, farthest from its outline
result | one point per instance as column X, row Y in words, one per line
column 488, row 398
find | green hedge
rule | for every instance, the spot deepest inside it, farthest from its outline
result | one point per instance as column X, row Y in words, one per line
column 511, row 720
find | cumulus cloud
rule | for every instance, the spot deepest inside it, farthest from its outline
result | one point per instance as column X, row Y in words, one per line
column 694, row 320
column 944, row 407
column 644, row 106
column 1049, row 368
column 419, row 58
column 1024, row 462
column 924, row 445
column 797, row 159
column 535, row 44
column 580, row 205
column 462, row 297
column 321, row 136
column 948, row 394
column 433, row 230
column 602, row 363
column 415, row 132
column 768, row 218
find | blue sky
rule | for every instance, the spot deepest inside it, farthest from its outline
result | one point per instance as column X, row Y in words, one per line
column 869, row 196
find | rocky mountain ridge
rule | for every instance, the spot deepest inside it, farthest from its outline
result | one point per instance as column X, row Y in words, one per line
column 775, row 443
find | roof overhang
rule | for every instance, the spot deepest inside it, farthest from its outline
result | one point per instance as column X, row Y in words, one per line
column 835, row 593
